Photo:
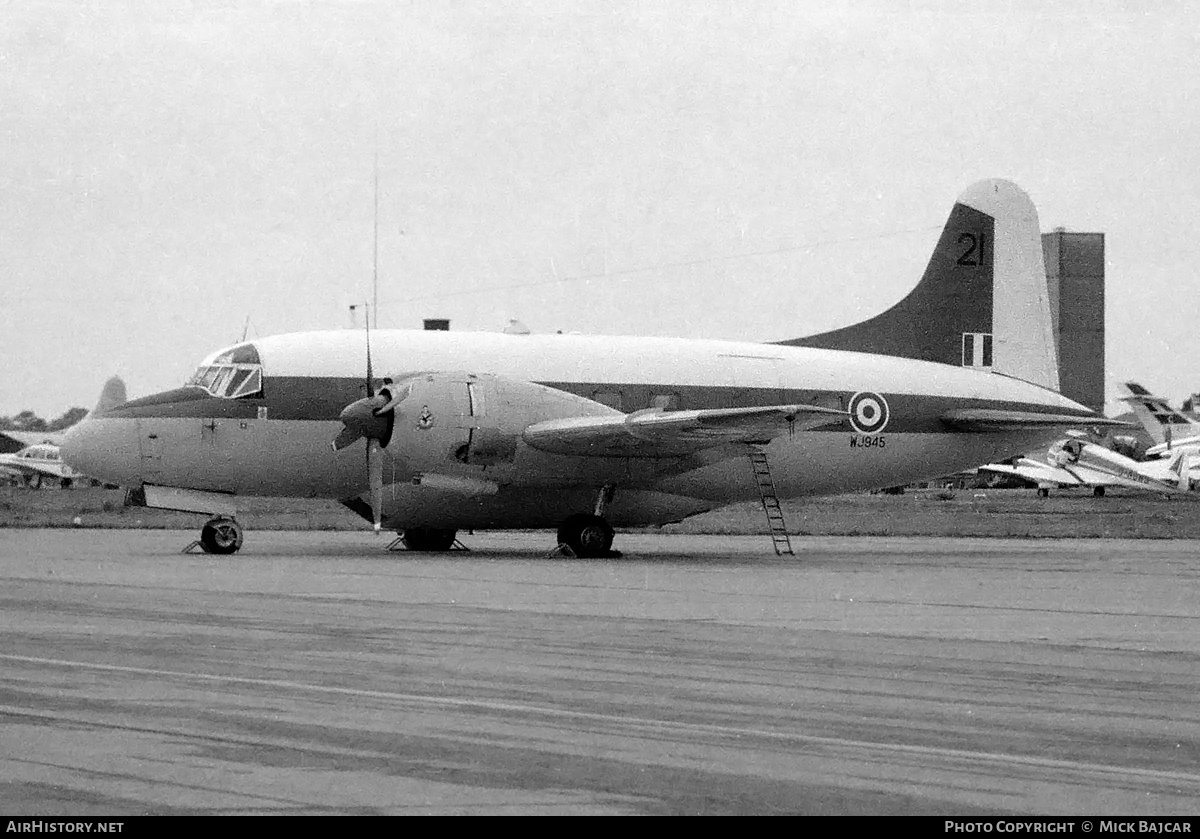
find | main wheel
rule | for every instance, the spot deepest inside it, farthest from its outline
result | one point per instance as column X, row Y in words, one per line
column 429, row 539
column 1098, row 492
column 587, row 536
column 221, row 536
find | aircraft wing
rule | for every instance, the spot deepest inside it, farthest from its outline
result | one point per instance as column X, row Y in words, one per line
column 1122, row 471
column 1038, row 473
column 655, row 433
column 13, row 466
column 993, row 419
column 1167, row 449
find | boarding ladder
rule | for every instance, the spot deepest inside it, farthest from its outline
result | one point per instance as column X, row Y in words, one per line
column 770, row 502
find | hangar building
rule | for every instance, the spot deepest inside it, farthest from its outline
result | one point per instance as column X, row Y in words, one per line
column 1075, row 277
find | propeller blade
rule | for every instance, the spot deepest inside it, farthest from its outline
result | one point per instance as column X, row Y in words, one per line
column 370, row 374
column 375, row 470
column 398, row 394
column 374, row 419
column 345, row 438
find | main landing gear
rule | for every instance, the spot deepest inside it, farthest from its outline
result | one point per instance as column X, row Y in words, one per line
column 428, row 539
column 221, row 536
column 589, row 536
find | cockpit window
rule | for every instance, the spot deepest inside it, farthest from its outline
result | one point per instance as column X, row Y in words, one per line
column 235, row 373
column 230, row 381
column 251, row 385
column 243, row 354
column 204, row 376
column 235, row 381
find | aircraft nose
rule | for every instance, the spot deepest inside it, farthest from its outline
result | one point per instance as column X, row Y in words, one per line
column 105, row 449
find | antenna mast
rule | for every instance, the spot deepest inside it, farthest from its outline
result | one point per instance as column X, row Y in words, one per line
column 375, row 264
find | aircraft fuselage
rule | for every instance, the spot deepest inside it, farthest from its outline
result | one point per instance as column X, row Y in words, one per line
column 474, row 393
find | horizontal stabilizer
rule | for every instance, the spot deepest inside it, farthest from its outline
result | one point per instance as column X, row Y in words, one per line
column 655, row 433
column 991, row 419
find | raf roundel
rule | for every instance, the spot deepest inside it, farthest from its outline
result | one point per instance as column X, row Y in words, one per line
column 868, row 412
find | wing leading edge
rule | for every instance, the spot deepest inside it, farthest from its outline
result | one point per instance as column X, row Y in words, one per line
column 655, row 433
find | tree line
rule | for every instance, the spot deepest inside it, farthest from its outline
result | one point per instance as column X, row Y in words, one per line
column 29, row 421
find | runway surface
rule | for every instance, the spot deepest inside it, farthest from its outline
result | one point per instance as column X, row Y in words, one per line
column 314, row 673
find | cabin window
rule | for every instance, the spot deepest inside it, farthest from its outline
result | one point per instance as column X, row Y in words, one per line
column 611, row 398
column 665, row 401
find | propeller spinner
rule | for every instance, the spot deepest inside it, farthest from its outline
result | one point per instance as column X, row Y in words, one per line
column 373, row 418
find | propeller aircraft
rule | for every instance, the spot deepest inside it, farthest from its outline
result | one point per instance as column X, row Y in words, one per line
column 587, row 433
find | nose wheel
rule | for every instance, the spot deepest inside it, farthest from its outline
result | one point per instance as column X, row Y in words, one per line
column 221, row 536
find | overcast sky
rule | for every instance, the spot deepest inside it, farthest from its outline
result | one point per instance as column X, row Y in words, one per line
column 170, row 172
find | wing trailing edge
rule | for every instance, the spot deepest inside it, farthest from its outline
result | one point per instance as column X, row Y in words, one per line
column 995, row 419
column 655, row 433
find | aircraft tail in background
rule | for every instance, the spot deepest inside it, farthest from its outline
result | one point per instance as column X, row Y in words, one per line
column 983, row 300
column 112, row 395
column 1181, row 468
column 1165, row 425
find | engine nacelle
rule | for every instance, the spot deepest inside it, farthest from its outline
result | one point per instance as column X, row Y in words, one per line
column 471, row 424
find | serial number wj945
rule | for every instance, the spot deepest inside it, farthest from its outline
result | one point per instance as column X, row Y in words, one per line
column 867, row 441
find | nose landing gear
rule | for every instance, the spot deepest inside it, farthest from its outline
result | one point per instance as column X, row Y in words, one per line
column 221, row 536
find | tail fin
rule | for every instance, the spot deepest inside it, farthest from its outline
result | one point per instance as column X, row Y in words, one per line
column 112, row 395
column 983, row 300
column 1181, row 468
column 1163, row 423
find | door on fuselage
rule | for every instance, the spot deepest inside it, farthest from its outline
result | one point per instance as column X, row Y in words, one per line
column 150, row 448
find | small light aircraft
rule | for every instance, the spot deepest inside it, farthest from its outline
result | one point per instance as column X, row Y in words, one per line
column 41, row 459
column 36, row 464
column 1076, row 461
column 16, row 440
column 584, row 433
